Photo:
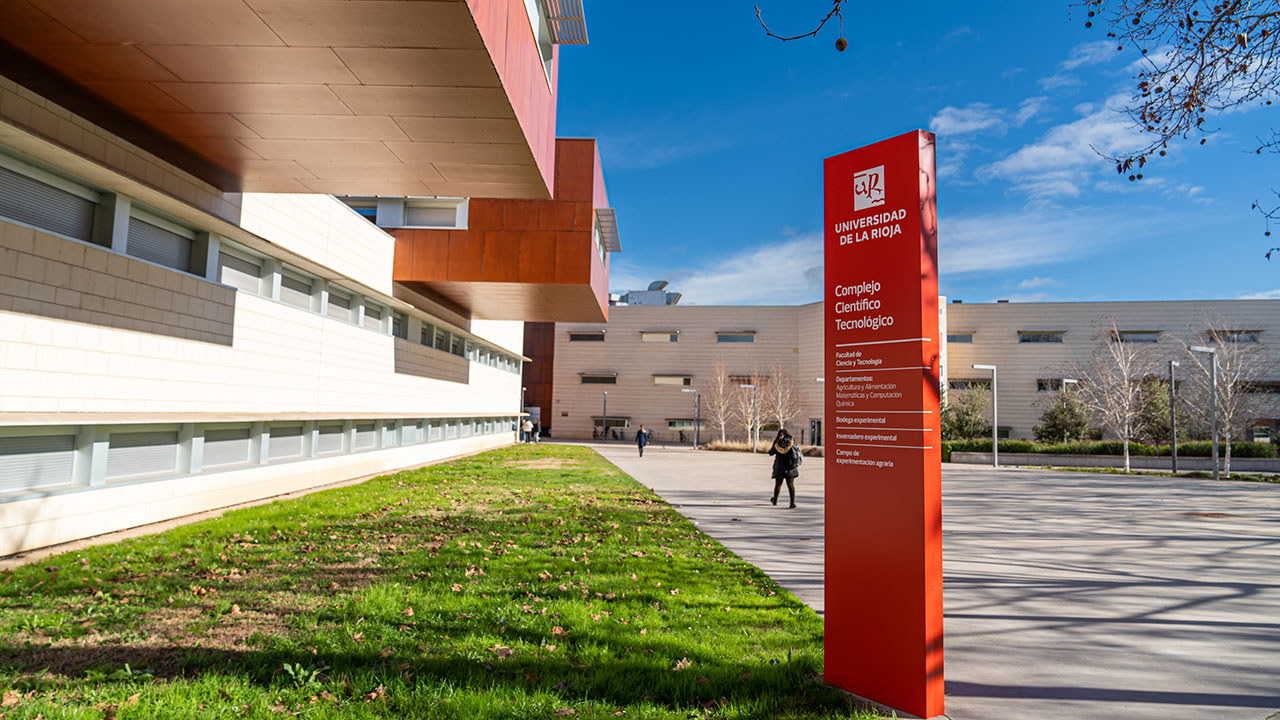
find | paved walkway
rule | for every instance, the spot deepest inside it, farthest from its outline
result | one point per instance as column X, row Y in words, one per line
column 1067, row 595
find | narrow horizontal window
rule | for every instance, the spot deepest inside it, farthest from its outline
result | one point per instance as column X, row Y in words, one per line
column 44, row 206
column 373, row 316
column 1049, row 385
column 1040, row 337
column 331, row 439
column 240, row 273
column 969, row 384
column 1244, row 337
column 613, row 421
column 32, row 463
column 339, row 305
column 224, row 447
column 672, row 380
column 141, row 454
column 295, row 290
column 962, row 338
column 598, row 379
column 735, row 337
column 664, row 336
column 366, row 436
column 591, row 336
column 160, row 245
column 1136, row 336
column 284, row 442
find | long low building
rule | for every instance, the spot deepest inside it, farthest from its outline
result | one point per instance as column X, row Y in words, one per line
column 249, row 249
column 633, row 368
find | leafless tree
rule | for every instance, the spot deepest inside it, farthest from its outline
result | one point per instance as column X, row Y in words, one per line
column 747, row 409
column 835, row 12
column 1199, row 58
column 718, row 397
column 1241, row 364
column 779, row 396
column 1111, row 383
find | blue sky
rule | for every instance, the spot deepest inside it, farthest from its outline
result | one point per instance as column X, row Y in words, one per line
column 712, row 138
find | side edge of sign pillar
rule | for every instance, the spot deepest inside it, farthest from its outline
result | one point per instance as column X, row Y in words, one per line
column 883, row 457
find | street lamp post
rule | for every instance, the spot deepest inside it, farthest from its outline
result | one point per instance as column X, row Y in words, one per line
column 1065, row 383
column 604, row 416
column 1173, row 415
column 697, row 405
column 1213, row 383
column 995, row 415
column 755, row 416
column 520, row 416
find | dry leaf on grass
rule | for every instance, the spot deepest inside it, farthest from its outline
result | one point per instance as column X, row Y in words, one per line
column 683, row 664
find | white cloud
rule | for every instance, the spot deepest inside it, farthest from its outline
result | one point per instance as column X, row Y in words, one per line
column 1264, row 295
column 1010, row 73
column 1057, row 81
column 1035, row 282
column 971, row 118
column 1028, row 109
column 1062, row 161
column 1090, row 53
column 785, row 273
column 960, row 31
column 1024, row 237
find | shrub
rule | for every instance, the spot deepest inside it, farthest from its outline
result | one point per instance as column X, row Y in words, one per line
column 744, row 446
column 1111, row 447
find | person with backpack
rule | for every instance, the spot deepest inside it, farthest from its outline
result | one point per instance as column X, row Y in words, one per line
column 786, row 464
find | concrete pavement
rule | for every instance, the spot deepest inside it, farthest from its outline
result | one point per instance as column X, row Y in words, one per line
column 1067, row 595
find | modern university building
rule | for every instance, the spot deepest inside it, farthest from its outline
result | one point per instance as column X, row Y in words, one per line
column 647, row 354
column 250, row 247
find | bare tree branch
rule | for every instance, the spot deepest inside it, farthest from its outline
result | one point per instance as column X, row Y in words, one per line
column 835, row 12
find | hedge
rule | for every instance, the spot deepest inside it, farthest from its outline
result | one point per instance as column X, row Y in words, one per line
column 1111, row 447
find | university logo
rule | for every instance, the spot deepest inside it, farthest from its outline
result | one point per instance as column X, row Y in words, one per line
column 868, row 188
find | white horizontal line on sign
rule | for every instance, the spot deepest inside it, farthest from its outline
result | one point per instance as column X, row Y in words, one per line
column 870, row 370
column 884, row 342
column 862, row 429
column 881, row 412
column 904, row 447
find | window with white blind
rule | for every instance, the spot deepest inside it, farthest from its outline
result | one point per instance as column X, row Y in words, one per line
column 239, row 272
column 44, row 205
column 436, row 432
column 32, row 463
column 339, row 305
column 285, row 442
column 159, row 241
column 295, row 290
column 373, row 316
column 451, row 430
column 142, row 454
column 224, row 447
column 366, row 436
column 330, row 439
column 389, row 436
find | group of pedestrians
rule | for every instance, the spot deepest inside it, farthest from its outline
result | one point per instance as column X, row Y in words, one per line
column 530, row 431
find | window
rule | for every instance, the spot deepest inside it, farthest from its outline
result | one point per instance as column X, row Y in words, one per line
column 685, row 424
column 284, row 442
column 599, row 378
column 339, row 305
column 436, row 431
column 140, row 454
column 366, row 436
column 239, row 272
column 662, row 336
column 425, row 333
column 1049, row 385
column 962, row 338
column 159, row 241
column 1136, row 336
column 31, row 463
column 969, row 384
column 1039, row 336
column 373, row 316
column 442, row 340
column 1262, row 388
column 331, row 439
column 736, row 380
column 1247, row 337
column 295, row 290
column 400, row 325
column 614, row 422
column 389, row 436
column 53, row 206
column 224, row 447
column 672, row 380
column 456, row 345
column 587, row 336
column 746, row 336
column 428, row 213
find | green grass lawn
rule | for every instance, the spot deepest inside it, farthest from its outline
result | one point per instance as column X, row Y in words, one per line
column 529, row 582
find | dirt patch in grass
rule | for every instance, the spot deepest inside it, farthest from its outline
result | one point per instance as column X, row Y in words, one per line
column 544, row 464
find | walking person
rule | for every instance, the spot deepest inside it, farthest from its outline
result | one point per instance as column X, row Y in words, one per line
column 642, row 439
column 527, row 426
column 786, row 464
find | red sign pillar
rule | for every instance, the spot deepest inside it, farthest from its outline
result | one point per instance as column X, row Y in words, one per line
column 883, row 456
